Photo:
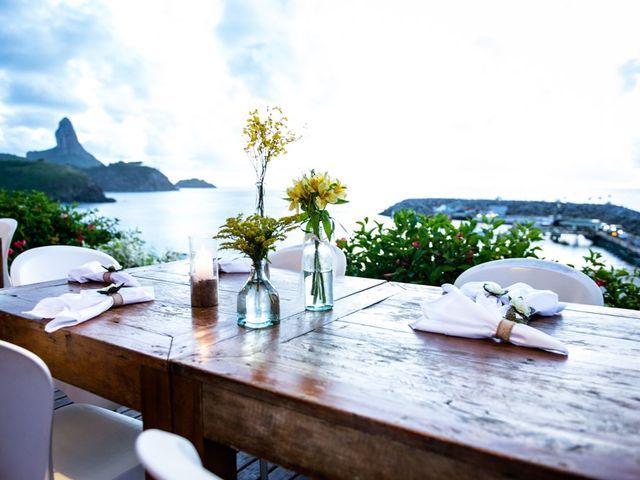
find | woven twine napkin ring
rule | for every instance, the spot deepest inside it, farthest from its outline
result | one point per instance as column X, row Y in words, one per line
column 117, row 299
column 503, row 332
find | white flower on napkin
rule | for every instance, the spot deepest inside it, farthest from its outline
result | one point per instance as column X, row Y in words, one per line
column 542, row 302
column 74, row 308
column 456, row 314
column 95, row 272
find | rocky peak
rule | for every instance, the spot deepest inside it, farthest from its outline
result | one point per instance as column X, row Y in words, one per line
column 66, row 138
column 68, row 150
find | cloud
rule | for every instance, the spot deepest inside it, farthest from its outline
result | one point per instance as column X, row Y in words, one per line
column 629, row 71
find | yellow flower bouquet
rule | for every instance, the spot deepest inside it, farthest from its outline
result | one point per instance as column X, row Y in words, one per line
column 311, row 193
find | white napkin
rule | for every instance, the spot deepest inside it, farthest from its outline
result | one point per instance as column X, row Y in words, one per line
column 74, row 308
column 543, row 302
column 235, row 264
column 94, row 272
column 456, row 314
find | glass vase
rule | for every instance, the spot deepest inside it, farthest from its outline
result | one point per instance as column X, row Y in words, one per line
column 258, row 301
column 317, row 266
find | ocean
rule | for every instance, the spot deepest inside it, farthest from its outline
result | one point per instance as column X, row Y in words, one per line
column 167, row 219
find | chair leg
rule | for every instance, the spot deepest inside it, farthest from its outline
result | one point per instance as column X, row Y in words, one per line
column 264, row 469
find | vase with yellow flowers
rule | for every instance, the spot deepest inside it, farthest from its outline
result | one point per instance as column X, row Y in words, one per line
column 267, row 137
column 258, row 303
column 311, row 194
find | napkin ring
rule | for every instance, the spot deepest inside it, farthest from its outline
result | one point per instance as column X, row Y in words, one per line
column 503, row 332
column 117, row 299
column 106, row 277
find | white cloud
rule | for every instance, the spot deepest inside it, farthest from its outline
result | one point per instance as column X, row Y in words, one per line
column 447, row 99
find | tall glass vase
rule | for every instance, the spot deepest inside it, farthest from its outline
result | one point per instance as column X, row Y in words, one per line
column 260, row 198
column 258, row 301
column 317, row 265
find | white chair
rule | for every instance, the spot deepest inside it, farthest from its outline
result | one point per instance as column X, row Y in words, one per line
column 7, row 229
column 52, row 262
column 167, row 456
column 290, row 258
column 571, row 285
column 77, row 441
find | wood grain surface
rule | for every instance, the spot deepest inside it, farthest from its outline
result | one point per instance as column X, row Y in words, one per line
column 354, row 392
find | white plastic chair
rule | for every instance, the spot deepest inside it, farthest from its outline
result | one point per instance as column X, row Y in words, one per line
column 85, row 442
column 53, row 262
column 290, row 258
column 7, row 229
column 167, row 456
column 571, row 285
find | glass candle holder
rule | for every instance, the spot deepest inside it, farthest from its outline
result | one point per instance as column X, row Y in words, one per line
column 203, row 271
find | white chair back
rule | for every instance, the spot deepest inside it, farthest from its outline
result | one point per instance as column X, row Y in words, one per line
column 7, row 229
column 167, row 456
column 26, row 410
column 78, row 441
column 53, row 262
column 570, row 284
column 290, row 258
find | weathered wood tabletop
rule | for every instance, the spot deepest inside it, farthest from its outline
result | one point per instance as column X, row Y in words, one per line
column 355, row 393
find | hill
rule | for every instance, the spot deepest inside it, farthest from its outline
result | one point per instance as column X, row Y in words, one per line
column 130, row 177
column 194, row 183
column 59, row 182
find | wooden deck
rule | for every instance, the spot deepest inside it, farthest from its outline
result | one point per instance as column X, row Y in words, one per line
column 248, row 466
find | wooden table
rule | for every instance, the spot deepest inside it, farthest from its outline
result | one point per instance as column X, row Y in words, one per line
column 355, row 393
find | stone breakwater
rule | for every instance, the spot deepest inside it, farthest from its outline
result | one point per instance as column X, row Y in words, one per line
column 461, row 208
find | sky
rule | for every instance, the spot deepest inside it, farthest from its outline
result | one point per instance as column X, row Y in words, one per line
column 398, row 98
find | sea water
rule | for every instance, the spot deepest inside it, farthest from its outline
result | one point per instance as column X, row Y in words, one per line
column 167, row 219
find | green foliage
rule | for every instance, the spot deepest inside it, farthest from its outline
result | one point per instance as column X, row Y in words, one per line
column 131, row 251
column 431, row 249
column 620, row 287
column 61, row 182
column 255, row 235
column 42, row 221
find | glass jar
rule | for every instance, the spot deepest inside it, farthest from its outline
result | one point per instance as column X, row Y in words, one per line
column 317, row 267
column 258, row 302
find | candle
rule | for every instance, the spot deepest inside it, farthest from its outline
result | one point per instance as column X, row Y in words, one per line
column 203, row 266
column 203, row 272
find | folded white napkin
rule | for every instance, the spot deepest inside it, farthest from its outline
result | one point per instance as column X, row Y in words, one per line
column 235, row 264
column 74, row 308
column 95, row 272
column 456, row 314
column 542, row 302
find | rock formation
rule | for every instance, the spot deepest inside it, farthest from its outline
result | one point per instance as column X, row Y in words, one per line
column 67, row 150
column 130, row 177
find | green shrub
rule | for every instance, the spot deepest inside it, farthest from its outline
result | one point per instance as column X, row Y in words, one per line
column 620, row 287
column 130, row 251
column 431, row 249
column 42, row 221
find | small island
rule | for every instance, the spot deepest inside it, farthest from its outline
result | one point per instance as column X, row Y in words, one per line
column 194, row 183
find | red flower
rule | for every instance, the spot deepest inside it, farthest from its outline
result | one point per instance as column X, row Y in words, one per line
column 600, row 283
column 91, row 226
column 80, row 238
column 459, row 235
column 10, row 251
column 416, row 244
column 20, row 244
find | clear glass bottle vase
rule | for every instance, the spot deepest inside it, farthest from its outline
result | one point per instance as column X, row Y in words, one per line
column 317, row 266
column 258, row 302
